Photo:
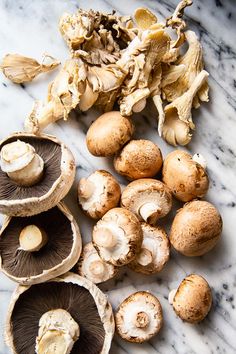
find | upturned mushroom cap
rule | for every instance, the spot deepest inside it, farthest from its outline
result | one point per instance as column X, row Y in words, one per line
column 196, row 228
column 58, row 176
column 118, row 236
column 154, row 253
column 92, row 267
column 109, row 133
column 37, row 248
column 186, row 178
column 193, row 299
column 98, row 193
column 138, row 159
column 139, row 317
column 149, row 199
column 79, row 297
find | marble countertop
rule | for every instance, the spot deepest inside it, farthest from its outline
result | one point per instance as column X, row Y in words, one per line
column 30, row 27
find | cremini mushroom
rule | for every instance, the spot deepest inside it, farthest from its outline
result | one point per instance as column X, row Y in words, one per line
column 149, row 199
column 108, row 134
column 65, row 315
column 36, row 173
column 193, row 299
column 196, row 228
column 154, row 253
column 98, row 193
column 185, row 177
column 118, row 236
column 138, row 159
column 139, row 317
column 37, row 248
column 92, row 267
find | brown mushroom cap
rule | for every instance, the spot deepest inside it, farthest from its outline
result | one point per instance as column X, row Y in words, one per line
column 196, row 228
column 109, row 133
column 58, row 176
column 186, row 178
column 138, row 159
column 58, row 255
column 193, row 299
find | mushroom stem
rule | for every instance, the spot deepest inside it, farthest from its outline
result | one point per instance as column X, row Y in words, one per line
column 86, row 188
column 97, row 268
column 32, row 238
column 150, row 212
column 145, row 257
column 140, row 105
column 103, row 237
column 200, row 159
column 171, row 296
column 141, row 320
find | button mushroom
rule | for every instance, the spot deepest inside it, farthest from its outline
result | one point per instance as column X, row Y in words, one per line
column 155, row 251
column 193, row 299
column 196, row 228
column 185, row 177
column 139, row 317
column 36, row 173
column 98, row 193
column 118, row 236
column 109, row 133
column 37, row 248
column 138, row 159
column 148, row 199
column 65, row 315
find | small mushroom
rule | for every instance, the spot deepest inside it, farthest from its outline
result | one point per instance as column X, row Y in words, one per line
column 98, row 193
column 108, row 134
column 36, row 173
column 154, row 253
column 185, row 177
column 66, row 315
column 118, row 236
column 92, row 267
column 139, row 317
column 193, row 299
column 138, row 159
column 149, row 199
column 196, row 228
column 37, row 248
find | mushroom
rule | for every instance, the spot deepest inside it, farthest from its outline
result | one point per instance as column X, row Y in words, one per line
column 193, row 299
column 36, row 173
column 185, row 177
column 138, row 159
column 66, row 315
column 154, row 253
column 108, row 134
column 98, row 193
column 196, row 228
column 118, row 236
column 139, row 317
column 148, row 199
column 37, row 248
column 92, row 267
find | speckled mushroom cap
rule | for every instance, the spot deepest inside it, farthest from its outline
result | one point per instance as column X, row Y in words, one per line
column 86, row 303
column 57, row 256
column 196, row 228
column 186, row 178
column 58, row 176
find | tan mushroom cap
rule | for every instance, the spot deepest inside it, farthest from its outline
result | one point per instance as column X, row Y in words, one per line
column 139, row 317
column 196, row 228
column 193, row 299
column 138, row 159
column 108, row 134
column 186, row 178
column 98, row 193
column 118, row 236
column 149, row 199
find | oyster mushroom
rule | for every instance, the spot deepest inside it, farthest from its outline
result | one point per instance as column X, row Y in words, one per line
column 144, row 18
column 37, row 248
column 139, row 317
column 39, row 173
column 196, row 228
column 117, row 237
column 68, row 314
column 98, row 193
column 148, row 199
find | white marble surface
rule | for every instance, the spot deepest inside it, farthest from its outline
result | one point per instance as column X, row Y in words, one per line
column 30, row 27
